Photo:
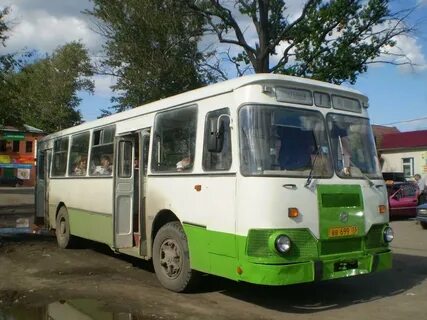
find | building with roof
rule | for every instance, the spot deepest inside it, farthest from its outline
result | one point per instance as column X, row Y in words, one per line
column 18, row 150
column 404, row 152
column 379, row 132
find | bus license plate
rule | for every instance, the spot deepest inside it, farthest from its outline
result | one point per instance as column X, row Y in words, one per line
column 342, row 231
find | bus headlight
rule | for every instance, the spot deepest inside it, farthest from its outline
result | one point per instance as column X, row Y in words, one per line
column 283, row 243
column 388, row 234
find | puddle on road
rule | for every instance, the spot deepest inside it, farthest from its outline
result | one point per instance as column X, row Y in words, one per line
column 77, row 309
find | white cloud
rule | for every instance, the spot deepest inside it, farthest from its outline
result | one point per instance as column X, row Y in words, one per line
column 422, row 2
column 413, row 54
column 44, row 26
column 407, row 50
column 103, row 84
column 283, row 45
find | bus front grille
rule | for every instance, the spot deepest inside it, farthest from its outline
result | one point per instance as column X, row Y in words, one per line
column 340, row 200
column 374, row 238
column 304, row 246
column 339, row 246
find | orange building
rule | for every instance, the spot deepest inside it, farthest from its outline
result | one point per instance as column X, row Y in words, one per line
column 18, row 149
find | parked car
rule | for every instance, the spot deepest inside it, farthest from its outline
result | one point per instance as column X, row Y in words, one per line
column 391, row 177
column 422, row 215
column 403, row 199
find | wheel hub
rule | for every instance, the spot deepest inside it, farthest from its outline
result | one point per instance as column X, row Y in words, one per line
column 62, row 227
column 171, row 258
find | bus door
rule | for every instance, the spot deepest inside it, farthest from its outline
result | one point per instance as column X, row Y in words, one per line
column 42, row 185
column 124, row 192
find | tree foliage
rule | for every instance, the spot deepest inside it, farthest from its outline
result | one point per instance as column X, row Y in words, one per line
column 7, row 65
column 3, row 26
column 151, row 47
column 331, row 40
column 43, row 93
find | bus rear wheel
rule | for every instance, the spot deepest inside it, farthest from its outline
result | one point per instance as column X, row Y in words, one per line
column 171, row 259
column 63, row 237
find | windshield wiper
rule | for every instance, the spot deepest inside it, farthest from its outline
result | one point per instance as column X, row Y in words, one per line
column 364, row 176
column 371, row 183
column 310, row 175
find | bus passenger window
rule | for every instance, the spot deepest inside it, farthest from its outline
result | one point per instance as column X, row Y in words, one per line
column 78, row 154
column 221, row 160
column 60, row 152
column 101, row 158
column 174, row 140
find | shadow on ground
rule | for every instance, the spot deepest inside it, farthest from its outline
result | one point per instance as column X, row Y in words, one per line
column 408, row 271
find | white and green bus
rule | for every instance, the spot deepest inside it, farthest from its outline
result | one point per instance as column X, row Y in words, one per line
column 266, row 179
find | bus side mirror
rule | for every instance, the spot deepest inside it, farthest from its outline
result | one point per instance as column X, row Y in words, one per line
column 216, row 135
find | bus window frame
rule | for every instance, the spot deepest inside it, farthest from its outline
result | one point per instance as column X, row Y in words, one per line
column 205, row 140
column 154, row 150
column 65, row 175
column 293, row 107
column 91, row 145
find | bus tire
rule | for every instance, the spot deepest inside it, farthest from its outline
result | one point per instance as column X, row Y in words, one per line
column 423, row 224
column 63, row 235
column 171, row 258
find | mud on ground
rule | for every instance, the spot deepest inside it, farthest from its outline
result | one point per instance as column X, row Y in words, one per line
column 35, row 273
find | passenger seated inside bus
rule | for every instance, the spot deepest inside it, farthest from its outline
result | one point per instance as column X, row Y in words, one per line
column 105, row 167
column 184, row 164
column 295, row 148
column 80, row 167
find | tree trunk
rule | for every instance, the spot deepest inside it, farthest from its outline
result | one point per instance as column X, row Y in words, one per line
column 262, row 64
column 262, row 56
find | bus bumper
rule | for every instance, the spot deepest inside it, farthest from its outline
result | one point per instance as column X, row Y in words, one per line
column 325, row 269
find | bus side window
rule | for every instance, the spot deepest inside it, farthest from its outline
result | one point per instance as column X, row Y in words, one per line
column 213, row 161
column 78, row 154
column 101, row 157
column 59, row 162
column 174, row 140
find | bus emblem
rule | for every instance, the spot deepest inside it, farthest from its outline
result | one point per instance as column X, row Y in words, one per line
column 343, row 217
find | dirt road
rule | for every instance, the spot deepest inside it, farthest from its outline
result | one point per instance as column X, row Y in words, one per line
column 38, row 281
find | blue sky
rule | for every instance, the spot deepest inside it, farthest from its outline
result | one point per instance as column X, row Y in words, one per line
column 396, row 95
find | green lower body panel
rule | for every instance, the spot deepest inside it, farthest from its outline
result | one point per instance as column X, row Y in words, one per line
column 353, row 266
column 226, row 255
column 314, row 270
column 91, row 225
column 277, row 275
column 212, row 252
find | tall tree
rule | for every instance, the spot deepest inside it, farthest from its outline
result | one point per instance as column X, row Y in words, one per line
column 45, row 92
column 331, row 40
column 3, row 26
column 7, row 64
column 151, row 47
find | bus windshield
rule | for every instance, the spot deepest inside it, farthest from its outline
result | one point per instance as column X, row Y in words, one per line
column 283, row 141
column 353, row 147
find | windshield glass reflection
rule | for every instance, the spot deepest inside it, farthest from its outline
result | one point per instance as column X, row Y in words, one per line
column 353, row 147
column 283, row 141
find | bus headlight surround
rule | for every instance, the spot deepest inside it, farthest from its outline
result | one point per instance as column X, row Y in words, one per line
column 388, row 235
column 283, row 243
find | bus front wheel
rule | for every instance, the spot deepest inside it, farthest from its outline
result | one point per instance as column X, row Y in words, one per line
column 63, row 236
column 171, row 258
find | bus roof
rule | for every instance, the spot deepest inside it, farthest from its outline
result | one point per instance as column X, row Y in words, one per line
column 199, row 94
